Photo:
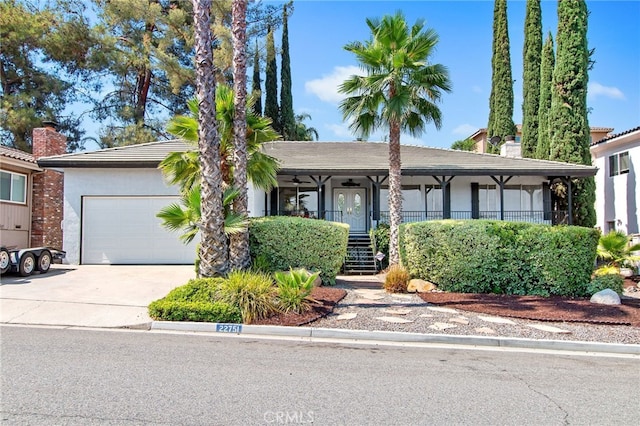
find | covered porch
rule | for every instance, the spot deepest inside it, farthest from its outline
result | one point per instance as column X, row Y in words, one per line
column 348, row 182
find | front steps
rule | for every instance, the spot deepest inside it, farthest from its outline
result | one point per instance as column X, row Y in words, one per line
column 360, row 256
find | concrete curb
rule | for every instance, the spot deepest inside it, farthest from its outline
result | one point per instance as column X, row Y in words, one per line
column 400, row 337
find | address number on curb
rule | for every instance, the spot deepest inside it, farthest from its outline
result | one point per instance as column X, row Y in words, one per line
column 229, row 328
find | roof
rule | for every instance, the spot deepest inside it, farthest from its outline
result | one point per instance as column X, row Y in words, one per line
column 336, row 158
column 371, row 158
column 147, row 155
column 16, row 154
column 617, row 135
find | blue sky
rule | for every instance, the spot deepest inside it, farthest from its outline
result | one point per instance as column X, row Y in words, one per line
column 318, row 31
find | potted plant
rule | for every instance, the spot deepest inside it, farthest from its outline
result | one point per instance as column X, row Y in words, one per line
column 616, row 251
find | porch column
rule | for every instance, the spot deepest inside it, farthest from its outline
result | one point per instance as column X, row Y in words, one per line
column 375, row 196
column 446, row 197
column 501, row 182
column 569, row 201
column 320, row 194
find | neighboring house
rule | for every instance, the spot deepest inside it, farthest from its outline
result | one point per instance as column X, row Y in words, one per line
column 617, row 191
column 30, row 197
column 112, row 196
column 480, row 136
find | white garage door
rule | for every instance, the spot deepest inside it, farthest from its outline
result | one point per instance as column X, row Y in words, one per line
column 125, row 230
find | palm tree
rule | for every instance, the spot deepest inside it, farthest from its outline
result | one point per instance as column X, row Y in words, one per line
column 239, row 242
column 399, row 92
column 182, row 168
column 301, row 131
column 185, row 216
column 616, row 250
column 213, row 248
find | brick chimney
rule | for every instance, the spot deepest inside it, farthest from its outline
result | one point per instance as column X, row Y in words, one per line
column 48, row 189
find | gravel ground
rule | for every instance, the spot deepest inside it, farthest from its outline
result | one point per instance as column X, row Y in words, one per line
column 424, row 319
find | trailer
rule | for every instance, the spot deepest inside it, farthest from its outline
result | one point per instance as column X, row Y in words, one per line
column 28, row 260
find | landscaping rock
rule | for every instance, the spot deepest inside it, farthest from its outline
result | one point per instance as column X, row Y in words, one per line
column 606, row 297
column 420, row 286
column 394, row 320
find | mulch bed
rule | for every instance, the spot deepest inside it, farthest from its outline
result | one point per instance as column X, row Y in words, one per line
column 555, row 309
column 327, row 298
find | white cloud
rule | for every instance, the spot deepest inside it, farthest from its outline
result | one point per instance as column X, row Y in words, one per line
column 596, row 89
column 326, row 88
column 341, row 131
column 464, row 129
column 476, row 89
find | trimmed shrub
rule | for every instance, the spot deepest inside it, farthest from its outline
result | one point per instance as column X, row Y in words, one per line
column 253, row 293
column 175, row 310
column 396, row 280
column 196, row 290
column 284, row 242
column 195, row 301
column 294, row 290
column 601, row 282
column 481, row 256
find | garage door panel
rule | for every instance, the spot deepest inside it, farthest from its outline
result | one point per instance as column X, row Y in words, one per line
column 125, row 230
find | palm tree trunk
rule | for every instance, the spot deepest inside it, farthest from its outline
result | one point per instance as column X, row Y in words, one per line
column 239, row 245
column 213, row 248
column 395, row 192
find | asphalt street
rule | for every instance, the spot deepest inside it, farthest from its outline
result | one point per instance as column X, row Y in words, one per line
column 55, row 376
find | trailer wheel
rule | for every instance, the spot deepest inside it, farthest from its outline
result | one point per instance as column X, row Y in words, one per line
column 5, row 261
column 27, row 264
column 44, row 261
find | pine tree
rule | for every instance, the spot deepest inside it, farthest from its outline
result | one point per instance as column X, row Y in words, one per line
column 531, row 78
column 287, row 119
column 271, row 109
column 256, row 89
column 568, row 121
column 501, row 98
column 546, row 75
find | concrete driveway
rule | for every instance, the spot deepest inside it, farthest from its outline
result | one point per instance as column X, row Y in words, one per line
column 88, row 295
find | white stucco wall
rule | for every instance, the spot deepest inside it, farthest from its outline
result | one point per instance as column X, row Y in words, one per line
column 117, row 182
column 617, row 196
column 83, row 182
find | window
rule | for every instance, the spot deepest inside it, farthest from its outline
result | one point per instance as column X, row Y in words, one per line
column 13, row 187
column 434, row 198
column 619, row 164
column 411, row 198
column 298, row 202
column 488, row 199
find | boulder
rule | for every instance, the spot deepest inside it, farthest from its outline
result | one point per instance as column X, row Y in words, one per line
column 420, row 286
column 606, row 297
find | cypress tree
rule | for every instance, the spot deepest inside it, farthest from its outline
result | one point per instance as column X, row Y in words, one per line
column 568, row 121
column 501, row 98
column 287, row 119
column 271, row 109
column 546, row 75
column 531, row 78
column 256, row 90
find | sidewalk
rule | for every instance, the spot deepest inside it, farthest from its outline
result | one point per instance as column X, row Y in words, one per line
column 117, row 297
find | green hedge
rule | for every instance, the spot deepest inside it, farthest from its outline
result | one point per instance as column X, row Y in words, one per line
column 500, row 257
column 174, row 310
column 283, row 242
column 195, row 301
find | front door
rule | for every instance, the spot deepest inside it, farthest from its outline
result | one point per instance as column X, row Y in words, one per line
column 351, row 205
